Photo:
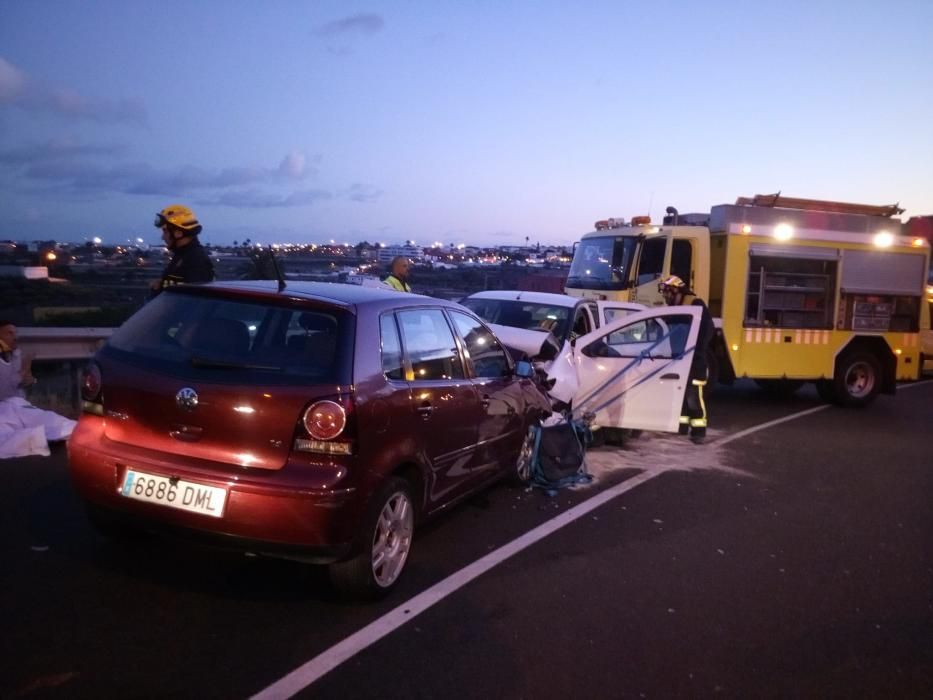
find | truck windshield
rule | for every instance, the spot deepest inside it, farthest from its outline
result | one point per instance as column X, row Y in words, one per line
column 602, row 263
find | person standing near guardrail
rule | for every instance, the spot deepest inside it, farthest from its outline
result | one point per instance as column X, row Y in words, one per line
column 24, row 429
column 190, row 263
column 399, row 272
column 15, row 371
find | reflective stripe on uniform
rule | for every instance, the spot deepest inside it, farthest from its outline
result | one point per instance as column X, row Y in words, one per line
column 699, row 422
column 397, row 284
column 700, row 384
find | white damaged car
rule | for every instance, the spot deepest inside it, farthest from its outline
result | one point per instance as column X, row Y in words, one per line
column 630, row 373
column 562, row 315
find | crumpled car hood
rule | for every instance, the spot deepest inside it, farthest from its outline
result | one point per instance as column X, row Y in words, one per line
column 555, row 361
column 538, row 345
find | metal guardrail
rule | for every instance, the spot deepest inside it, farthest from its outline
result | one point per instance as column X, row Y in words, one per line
column 50, row 344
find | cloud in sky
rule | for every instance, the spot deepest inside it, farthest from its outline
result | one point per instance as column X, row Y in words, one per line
column 348, row 28
column 70, row 104
column 258, row 199
column 56, row 149
column 18, row 90
column 362, row 23
column 294, row 165
column 359, row 192
column 12, row 81
column 70, row 167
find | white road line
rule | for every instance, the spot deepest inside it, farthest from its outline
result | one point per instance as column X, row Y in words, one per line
column 756, row 428
column 919, row 382
column 326, row 661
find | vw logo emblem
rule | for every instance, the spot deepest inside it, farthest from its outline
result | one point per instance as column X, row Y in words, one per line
column 187, row 398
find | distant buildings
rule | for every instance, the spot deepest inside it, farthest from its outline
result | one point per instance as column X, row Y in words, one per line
column 61, row 260
column 412, row 252
column 29, row 272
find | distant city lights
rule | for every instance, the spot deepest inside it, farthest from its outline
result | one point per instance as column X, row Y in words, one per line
column 363, row 258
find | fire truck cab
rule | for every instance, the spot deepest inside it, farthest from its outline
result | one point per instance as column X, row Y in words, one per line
column 802, row 290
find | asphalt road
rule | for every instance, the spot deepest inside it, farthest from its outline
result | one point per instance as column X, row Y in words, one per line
column 794, row 560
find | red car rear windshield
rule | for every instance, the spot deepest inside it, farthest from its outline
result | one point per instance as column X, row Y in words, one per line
column 192, row 334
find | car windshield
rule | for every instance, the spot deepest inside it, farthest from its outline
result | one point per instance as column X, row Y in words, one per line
column 229, row 337
column 602, row 263
column 522, row 314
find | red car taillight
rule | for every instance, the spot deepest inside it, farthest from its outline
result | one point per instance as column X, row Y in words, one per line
column 92, row 390
column 324, row 420
column 326, row 424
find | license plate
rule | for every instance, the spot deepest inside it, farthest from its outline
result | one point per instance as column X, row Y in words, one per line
column 184, row 495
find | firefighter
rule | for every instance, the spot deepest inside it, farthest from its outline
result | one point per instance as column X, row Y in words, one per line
column 190, row 263
column 693, row 418
column 399, row 272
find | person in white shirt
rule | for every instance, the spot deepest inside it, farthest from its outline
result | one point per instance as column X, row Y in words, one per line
column 15, row 374
column 24, row 429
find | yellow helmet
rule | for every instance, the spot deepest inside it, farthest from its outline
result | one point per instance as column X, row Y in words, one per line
column 180, row 217
column 674, row 283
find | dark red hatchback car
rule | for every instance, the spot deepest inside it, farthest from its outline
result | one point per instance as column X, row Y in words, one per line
column 320, row 422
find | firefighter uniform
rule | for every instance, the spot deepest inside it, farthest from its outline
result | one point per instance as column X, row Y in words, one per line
column 190, row 263
column 693, row 420
column 397, row 284
column 693, row 417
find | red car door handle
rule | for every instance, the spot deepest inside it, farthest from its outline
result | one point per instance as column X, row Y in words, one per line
column 670, row 376
column 485, row 401
column 426, row 410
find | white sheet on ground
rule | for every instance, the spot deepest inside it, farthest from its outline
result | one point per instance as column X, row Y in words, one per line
column 27, row 430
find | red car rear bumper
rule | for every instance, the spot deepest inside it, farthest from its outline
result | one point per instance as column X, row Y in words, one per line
column 299, row 509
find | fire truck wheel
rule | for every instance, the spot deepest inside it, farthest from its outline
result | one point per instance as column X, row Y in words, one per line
column 857, row 380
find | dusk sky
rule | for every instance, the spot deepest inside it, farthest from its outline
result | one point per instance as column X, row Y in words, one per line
column 477, row 122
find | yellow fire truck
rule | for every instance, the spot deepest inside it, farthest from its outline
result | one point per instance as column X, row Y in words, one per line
column 926, row 329
column 922, row 227
column 801, row 290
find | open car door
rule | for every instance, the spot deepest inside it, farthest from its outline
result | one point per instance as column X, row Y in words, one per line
column 633, row 373
column 612, row 311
